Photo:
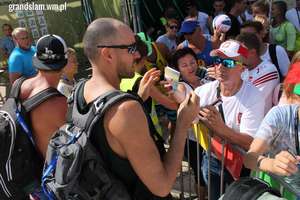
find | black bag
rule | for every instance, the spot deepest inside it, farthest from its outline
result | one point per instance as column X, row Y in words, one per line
column 74, row 169
column 272, row 52
column 248, row 188
column 20, row 164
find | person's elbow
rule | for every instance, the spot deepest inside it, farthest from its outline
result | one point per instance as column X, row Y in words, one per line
column 162, row 190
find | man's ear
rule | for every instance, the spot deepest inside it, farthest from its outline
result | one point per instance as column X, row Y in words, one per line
column 106, row 54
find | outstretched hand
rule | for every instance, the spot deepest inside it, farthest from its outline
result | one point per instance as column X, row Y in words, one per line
column 147, row 82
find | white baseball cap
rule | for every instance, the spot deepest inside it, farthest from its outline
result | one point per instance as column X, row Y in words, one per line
column 231, row 49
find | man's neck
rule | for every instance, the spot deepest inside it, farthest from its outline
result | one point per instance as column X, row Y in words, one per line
column 263, row 48
column 230, row 88
column 255, row 62
column 106, row 77
column 169, row 35
column 52, row 78
column 198, row 44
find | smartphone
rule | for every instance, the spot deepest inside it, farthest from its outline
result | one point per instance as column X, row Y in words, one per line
column 172, row 75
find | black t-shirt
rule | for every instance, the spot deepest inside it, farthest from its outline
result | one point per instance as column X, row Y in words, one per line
column 235, row 27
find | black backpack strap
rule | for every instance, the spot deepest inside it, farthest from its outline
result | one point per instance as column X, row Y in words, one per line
column 15, row 89
column 272, row 52
column 39, row 98
column 106, row 101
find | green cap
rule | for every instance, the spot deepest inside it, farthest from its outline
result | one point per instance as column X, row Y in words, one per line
column 297, row 89
column 147, row 40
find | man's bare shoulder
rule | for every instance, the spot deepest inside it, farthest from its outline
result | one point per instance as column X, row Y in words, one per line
column 125, row 107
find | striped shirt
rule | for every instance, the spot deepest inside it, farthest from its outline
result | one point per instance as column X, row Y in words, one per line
column 265, row 77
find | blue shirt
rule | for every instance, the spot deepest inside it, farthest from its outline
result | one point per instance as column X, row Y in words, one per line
column 7, row 44
column 20, row 61
column 203, row 56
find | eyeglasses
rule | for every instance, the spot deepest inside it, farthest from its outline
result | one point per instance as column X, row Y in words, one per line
column 132, row 48
column 228, row 63
column 173, row 27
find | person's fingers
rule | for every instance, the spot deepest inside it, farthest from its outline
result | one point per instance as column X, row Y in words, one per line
column 284, row 168
column 286, row 157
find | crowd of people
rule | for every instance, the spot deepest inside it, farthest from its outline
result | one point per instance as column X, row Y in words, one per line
column 253, row 69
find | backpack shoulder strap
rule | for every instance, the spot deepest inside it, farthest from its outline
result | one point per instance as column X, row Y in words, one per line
column 39, row 98
column 105, row 102
column 15, row 89
column 272, row 52
column 98, row 109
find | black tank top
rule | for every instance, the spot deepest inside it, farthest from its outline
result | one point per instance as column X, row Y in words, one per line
column 119, row 166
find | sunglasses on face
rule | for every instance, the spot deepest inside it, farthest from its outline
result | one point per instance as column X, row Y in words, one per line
column 132, row 48
column 173, row 27
column 228, row 63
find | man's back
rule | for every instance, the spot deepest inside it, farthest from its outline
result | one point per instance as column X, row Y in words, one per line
column 48, row 116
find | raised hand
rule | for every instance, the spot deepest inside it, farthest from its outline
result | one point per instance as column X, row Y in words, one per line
column 188, row 110
column 147, row 82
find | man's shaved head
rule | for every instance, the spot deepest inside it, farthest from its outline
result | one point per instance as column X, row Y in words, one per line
column 102, row 31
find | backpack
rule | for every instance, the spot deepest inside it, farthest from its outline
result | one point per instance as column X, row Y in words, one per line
column 19, row 168
column 248, row 188
column 272, row 52
column 74, row 168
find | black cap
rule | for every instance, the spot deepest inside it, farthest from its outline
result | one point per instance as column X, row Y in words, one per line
column 51, row 53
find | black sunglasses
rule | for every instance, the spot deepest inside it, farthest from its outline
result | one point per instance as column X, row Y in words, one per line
column 132, row 48
column 173, row 27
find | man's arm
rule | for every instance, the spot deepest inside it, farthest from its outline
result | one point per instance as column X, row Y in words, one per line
column 212, row 118
column 128, row 135
column 13, row 77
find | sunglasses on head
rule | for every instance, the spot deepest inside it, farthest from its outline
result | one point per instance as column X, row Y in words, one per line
column 228, row 63
column 132, row 48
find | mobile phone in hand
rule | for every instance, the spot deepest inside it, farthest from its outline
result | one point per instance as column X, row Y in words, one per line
column 173, row 76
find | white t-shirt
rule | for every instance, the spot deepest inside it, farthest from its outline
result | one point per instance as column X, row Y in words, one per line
column 171, row 44
column 265, row 77
column 282, row 59
column 64, row 88
column 243, row 112
column 291, row 16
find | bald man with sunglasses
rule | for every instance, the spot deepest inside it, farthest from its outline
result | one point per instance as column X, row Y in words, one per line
column 242, row 108
column 123, row 135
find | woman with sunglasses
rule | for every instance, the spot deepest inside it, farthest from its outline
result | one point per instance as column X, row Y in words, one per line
column 169, row 38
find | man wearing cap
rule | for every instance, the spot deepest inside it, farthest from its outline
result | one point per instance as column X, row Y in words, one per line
column 195, row 40
column 20, row 59
column 262, row 73
column 49, row 59
column 242, row 110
